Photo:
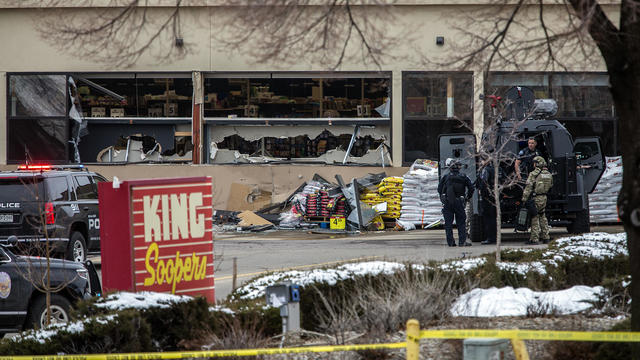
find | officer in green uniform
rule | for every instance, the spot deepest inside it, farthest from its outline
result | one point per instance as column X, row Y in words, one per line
column 539, row 183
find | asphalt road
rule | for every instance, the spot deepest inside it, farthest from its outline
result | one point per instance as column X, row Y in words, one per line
column 257, row 253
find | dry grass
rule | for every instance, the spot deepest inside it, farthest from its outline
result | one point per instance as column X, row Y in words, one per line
column 375, row 307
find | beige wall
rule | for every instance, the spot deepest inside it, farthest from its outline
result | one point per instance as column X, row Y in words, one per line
column 278, row 180
column 416, row 22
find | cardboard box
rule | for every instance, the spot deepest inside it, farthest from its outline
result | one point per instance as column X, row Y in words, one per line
column 251, row 110
column 211, row 98
column 117, row 112
column 364, row 110
column 98, row 112
column 154, row 112
column 171, row 109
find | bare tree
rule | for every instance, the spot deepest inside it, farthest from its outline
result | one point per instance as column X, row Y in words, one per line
column 494, row 151
column 275, row 31
column 38, row 269
column 117, row 34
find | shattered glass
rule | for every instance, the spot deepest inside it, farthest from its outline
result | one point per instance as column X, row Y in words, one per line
column 37, row 95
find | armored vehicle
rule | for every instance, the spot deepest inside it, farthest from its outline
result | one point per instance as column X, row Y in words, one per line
column 576, row 164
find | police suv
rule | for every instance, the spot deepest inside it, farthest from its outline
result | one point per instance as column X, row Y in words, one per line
column 22, row 278
column 51, row 209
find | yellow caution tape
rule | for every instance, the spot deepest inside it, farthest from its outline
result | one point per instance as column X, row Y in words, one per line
column 598, row 336
column 211, row 353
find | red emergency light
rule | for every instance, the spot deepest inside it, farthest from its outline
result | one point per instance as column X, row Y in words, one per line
column 35, row 167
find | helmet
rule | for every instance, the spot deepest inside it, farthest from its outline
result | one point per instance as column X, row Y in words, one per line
column 539, row 161
column 453, row 164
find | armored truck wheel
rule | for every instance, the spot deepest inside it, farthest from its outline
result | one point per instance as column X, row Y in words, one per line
column 476, row 229
column 581, row 223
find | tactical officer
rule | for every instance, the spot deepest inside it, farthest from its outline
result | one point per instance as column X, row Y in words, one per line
column 487, row 203
column 539, row 183
column 525, row 158
column 453, row 197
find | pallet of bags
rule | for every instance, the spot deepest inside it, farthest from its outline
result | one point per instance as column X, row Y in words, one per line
column 420, row 204
column 388, row 191
column 603, row 200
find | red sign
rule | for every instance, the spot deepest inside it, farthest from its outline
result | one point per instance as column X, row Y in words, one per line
column 168, row 238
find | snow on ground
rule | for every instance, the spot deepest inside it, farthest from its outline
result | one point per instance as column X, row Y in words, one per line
column 463, row 265
column 508, row 301
column 523, row 268
column 142, row 300
column 594, row 245
column 75, row 327
column 256, row 288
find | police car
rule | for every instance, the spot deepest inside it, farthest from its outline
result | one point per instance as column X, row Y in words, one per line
column 22, row 281
column 51, row 210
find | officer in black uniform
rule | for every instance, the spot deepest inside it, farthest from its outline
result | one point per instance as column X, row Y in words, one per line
column 453, row 197
column 487, row 203
column 524, row 163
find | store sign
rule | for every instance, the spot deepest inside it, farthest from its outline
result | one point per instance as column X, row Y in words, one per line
column 170, row 236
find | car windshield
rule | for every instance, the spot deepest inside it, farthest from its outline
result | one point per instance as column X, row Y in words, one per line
column 23, row 188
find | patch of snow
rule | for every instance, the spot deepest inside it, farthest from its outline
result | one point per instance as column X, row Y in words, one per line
column 523, row 268
column 256, row 288
column 141, row 300
column 593, row 245
column 222, row 309
column 42, row 335
column 464, row 264
column 508, row 301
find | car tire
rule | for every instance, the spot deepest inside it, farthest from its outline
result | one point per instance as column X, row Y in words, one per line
column 38, row 311
column 477, row 231
column 77, row 248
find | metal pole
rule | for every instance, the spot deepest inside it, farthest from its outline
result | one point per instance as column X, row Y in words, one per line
column 126, row 155
column 235, row 274
column 413, row 339
column 356, row 130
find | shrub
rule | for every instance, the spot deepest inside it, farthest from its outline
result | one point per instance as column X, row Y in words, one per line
column 126, row 332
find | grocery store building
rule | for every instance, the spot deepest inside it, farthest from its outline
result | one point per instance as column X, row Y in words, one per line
column 263, row 126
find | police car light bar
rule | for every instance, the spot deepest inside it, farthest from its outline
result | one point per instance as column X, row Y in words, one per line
column 36, row 167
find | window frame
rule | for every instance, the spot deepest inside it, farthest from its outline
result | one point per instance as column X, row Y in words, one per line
column 68, row 149
column 405, row 117
column 219, row 120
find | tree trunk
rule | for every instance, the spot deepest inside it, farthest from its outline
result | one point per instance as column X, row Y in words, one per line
column 496, row 200
column 625, row 88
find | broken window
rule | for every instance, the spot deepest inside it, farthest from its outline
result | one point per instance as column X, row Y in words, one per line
column 296, row 95
column 434, row 103
column 369, row 146
column 138, row 95
column 37, row 95
column 132, row 106
column 37, row 126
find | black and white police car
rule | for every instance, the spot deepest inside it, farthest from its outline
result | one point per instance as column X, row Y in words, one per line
column 23, row 280
column 51, row 208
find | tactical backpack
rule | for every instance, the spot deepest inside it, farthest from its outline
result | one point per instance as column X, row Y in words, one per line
column 455, row 187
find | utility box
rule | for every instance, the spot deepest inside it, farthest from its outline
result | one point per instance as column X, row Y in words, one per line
column 485, row 349
column 286, row 296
